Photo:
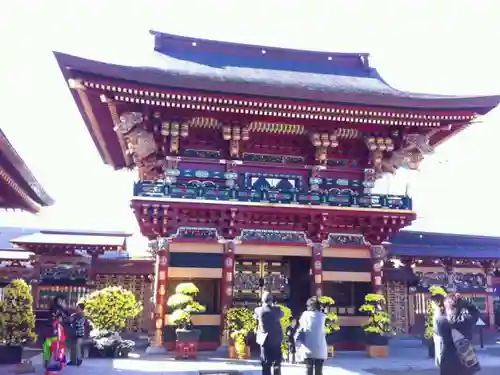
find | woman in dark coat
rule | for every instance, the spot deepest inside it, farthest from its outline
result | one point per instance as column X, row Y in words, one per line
column 454, row 353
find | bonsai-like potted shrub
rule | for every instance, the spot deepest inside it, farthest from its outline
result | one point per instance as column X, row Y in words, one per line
column 17, row 322
column 437, row 293
column 109, row 310
column 184, row 305
column 331, row 323
column 240, row 321
column 378, row 328
column 285, row 323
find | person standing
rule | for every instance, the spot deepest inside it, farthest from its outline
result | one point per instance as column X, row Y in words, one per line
column 78, row 327
column 455, row 354
column 269, row 335
column 311, row 337
column 54, row 346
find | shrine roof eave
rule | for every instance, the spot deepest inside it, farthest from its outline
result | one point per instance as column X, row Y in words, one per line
column 462, row 252
column 82, row 242
column 14, row 166
column 342, row 82
column 414, row 238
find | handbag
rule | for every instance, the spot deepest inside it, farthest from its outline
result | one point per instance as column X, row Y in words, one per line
column 300, row 337
column 465, row 351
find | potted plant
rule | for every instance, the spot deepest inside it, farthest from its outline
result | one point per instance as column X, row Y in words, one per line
column 240, row 321
column 285, row 323
column 109, row 310
column 17, row 322
column 378, row 328
column 437, row 292
column 331, row 323
column 183, row 305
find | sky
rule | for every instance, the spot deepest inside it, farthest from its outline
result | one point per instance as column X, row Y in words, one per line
column 435, row 47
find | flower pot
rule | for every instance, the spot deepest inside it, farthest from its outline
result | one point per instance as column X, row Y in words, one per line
column 186, row 345
column 241, row 353
column 188, row 335
column 377, row 345
column 10, row 355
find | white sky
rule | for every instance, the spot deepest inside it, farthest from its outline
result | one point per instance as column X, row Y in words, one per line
column 436, row 46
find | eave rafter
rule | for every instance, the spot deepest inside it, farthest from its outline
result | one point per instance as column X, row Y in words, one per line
column 128, row 93
column 60, row 248
column 259, row 114
column 30, row 204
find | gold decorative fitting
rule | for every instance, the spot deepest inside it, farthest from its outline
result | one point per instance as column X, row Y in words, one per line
column 165, row 128
column 184, row 130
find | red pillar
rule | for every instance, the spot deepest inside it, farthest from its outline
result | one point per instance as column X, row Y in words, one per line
column 226, row 287
column 378, row 254
column 489, row 269
column 161, row 283
column 317, row 269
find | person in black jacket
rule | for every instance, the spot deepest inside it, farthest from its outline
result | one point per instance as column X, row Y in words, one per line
column 269, row 335
column 454, row 354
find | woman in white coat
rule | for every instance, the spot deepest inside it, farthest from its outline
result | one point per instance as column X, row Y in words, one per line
column 312, row 338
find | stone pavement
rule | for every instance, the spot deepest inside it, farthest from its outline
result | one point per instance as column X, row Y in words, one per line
column 403, row 360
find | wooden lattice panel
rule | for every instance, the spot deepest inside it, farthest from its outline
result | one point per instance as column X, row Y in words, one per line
column 397, row 303
column 141, row 289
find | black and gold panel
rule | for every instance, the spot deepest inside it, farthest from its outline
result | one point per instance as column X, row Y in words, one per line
column 347, row 264
column 252, row 277
column 347, row 269
column 196, row 260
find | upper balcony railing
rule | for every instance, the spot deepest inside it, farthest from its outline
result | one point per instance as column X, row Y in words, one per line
column 334, row 197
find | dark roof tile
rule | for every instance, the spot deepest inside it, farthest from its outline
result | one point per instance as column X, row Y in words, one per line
column 190, row 63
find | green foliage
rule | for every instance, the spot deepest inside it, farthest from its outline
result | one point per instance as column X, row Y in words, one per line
column 16, row 311
column 431, row 306
column 379, row 321
column 240, row 321
column 184, row 305
column 110, row 308
column 285, row 323
column 331, row 323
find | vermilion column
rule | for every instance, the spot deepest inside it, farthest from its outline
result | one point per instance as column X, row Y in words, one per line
column 489, row 269
column 226, row 288
column 227, row 277
column 378, row 254
column 161, row 279
column 317, row 269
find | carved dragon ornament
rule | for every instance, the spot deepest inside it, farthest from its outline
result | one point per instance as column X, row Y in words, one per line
column 385, row 159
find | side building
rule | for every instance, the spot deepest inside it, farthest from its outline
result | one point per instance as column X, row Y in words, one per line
column 73, row 263
column 256, row 166
column 465, row 264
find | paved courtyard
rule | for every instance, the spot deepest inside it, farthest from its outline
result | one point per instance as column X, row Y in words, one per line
column 403, row 360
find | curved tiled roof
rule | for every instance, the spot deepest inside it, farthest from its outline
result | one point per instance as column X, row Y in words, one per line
column 429, row 244
column 20, row 172
column 199, row 64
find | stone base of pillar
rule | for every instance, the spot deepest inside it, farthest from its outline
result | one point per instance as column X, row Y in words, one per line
column 156, row 350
